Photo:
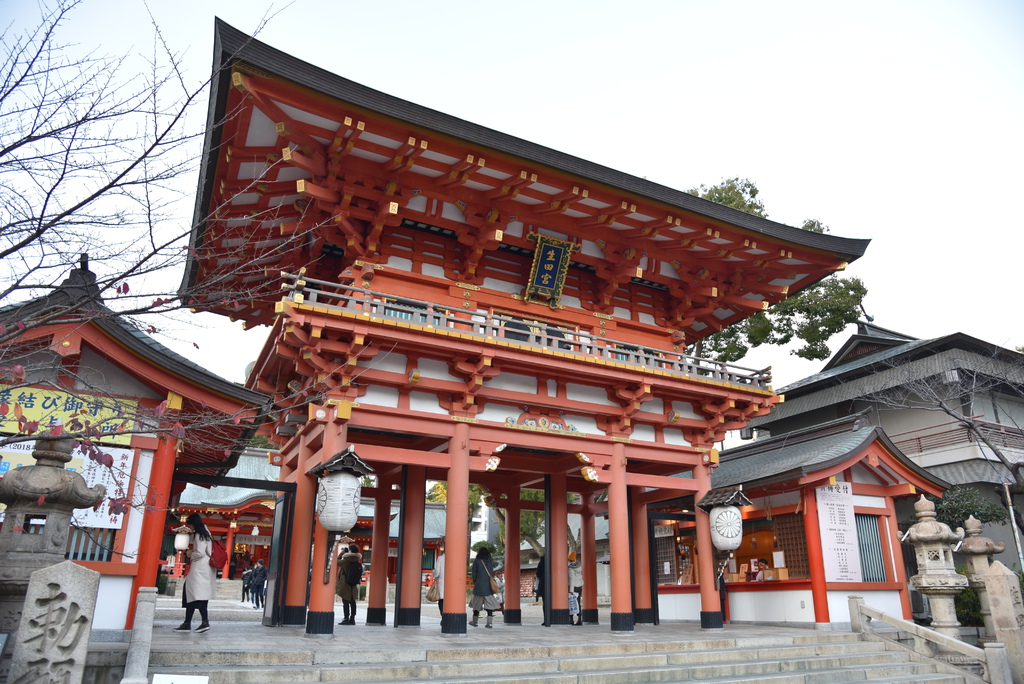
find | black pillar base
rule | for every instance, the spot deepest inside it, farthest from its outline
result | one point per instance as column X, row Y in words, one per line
column 320, row 622
column 559, row 617
column 293, row 616
column 376, row 616
column 589, row 616
column 513, row 616
column 711, row 619
column 407, row 617
column 643, row 616
column 453, row 623
column 622, row 622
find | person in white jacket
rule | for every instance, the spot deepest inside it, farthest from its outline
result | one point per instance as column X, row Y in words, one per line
column 202, row 577
column 576, row 586
column 439, row 579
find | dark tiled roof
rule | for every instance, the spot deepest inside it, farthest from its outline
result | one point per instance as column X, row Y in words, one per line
column 802, row 452
column 232, row 45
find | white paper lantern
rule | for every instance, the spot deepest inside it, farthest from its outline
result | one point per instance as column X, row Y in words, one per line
column 726, row 527
column 181, row 541
column 337, row 501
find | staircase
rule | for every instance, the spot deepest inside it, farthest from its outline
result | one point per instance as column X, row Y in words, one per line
column 817, row 658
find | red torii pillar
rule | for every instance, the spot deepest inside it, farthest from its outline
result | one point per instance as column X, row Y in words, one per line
column 320, row 615
column 558, row 544
column 643, row 611
column 513, row 614
column 294, row 612
column 618, row 537
column 711, row 616
column 453, row 620
column 588, row 559
column 376, row 610
column 409, row 593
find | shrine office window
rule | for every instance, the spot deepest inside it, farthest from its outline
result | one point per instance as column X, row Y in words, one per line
column 872, row 563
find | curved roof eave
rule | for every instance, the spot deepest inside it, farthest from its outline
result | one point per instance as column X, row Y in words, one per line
column 232, row 45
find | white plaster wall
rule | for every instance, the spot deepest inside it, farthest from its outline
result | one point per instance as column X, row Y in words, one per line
column 514, row 228
column 839, row 605
column 683, row 409
column 585, row 424
column 381, row 396
column 399, row 263
column 869, row 502
column 674, row 437
column 502, row 285
column 112, row 601
column 622, row 312
column 422, row 401
column 645, row 318
column 643, row 433
column 513, row 383
column 392, row 363
column 417, row 203
column 432, row 368
column 498, row 412
column 654, row 406
column 679, row 607
column 97, row 371
column 771, row 606
column 432, row 270
column 592, row 395
column 133, row 519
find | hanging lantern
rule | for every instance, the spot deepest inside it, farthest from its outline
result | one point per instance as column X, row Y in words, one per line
column 340, row 489
column 255, row 531
column 726, row 527
column 182, row 538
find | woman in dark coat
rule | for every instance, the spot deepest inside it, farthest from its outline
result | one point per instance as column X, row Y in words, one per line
column 483, row 597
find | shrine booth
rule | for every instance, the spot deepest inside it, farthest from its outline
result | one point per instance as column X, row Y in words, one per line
column 146, row 415
column 820, row 522
column 450, row 303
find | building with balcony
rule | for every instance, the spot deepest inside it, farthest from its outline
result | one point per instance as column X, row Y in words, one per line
column 457, row 304
column 943, row 402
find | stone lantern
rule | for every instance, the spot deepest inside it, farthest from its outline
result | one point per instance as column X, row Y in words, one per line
column 937, row 577
column 979, row 551
column 40, row 500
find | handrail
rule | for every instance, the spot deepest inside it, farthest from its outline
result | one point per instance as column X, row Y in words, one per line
column 927, row 642
column 953, row 433
column 538, row 334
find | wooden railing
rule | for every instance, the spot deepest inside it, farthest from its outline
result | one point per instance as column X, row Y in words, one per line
column 538, row 334
column 953, row 434
column 993, row 659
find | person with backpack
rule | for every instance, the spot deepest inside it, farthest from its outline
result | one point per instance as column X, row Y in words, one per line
column 256, row 583
column 201, row 580
column 350, row 574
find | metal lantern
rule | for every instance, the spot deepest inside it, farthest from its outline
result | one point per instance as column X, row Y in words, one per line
column 337, row 500
column 726, row 527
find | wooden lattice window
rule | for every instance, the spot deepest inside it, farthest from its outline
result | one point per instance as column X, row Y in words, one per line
column 91, row 544
column 665, row 552
column 789, row 531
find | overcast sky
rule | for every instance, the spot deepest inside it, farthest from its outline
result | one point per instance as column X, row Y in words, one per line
column 895, row 121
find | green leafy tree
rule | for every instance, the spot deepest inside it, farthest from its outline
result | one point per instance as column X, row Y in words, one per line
column 811, row 317
column 960, row 502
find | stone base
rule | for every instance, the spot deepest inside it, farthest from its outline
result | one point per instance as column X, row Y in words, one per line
column 589, row 616
column 622, row 622
column 644, row 616
column 376, row 616
column 293, row 616
column 711, row 619
column 320, row 622
column 512, row 616
column 454, row 624
column 407, row 617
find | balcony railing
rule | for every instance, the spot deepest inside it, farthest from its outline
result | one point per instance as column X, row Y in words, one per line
column 537, row 334
column 953, row 434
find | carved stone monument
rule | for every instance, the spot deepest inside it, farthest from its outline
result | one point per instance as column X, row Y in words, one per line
column 937, row 577
column 53, row 639
column 1007, row 614
column 979, row 551
column 40, row 501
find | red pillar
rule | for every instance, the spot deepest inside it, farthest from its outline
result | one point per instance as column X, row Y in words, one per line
column 558, row 560
column 320, row 615
column 710, row 600
column 588, row 559
column 815, row 560
column 154, row 522
column 294, row 612
column 618, row 538
column 229, row 546
column 453, row 620
column 376, row 609
column 513, row 606
column 410, row 594
column 643, row 611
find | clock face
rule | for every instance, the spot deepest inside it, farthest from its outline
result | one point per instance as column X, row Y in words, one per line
column 729, row 524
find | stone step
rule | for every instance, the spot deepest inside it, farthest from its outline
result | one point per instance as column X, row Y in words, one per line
column 822, row 661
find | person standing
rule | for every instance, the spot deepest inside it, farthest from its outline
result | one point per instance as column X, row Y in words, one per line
column 439, row 579
column 576, row 587
column 350, row 574
column 483, row 596
column 257, row 582
column 246, row 583
column 202, row 577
